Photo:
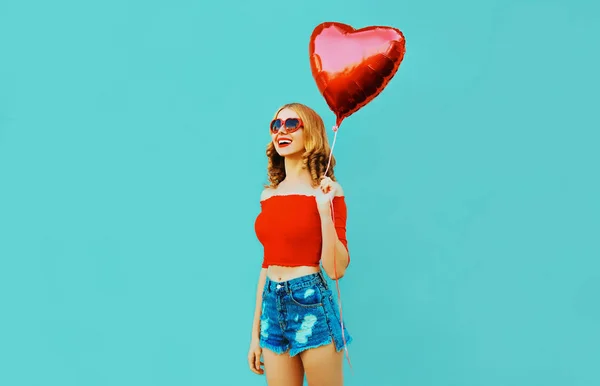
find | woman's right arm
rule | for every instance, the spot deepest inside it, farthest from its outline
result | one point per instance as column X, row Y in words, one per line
column 262, row 277
column 255, row 351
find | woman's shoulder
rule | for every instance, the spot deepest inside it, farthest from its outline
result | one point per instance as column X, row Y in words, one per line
column 267, row 193
column 339, row 192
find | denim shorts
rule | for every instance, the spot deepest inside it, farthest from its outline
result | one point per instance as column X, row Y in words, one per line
column 300, row 314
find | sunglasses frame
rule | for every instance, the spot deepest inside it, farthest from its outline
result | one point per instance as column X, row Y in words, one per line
column 283, row 124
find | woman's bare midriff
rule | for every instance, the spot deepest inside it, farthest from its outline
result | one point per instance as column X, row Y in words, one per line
column 279, row 273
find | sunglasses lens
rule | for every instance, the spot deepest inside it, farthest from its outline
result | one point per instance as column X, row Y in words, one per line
column 276, row 125
column 292, row 123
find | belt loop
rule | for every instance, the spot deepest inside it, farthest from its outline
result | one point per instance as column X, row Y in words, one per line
column 323, row 279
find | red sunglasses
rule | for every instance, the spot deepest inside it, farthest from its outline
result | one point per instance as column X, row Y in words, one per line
column 290, row 124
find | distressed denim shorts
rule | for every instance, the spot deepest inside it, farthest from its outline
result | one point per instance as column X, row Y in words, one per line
column 300, row 314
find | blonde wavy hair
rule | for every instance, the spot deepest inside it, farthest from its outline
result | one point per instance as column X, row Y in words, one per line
column 316, row 153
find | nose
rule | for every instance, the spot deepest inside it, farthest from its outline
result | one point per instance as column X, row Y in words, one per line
column 282, row 130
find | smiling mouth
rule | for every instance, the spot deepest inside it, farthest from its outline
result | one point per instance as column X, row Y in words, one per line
column 284, row 142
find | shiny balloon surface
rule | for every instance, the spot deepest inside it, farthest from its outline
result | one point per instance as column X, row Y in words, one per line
column 352, row 66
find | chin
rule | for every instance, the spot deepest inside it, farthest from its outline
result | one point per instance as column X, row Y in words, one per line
column 287, row 151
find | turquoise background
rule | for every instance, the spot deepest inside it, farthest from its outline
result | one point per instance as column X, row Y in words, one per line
column 132, row 137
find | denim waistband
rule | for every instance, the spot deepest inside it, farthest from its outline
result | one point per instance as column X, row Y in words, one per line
column 297, row 283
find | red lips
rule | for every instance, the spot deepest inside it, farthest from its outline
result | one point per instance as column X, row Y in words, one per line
column 279, row 139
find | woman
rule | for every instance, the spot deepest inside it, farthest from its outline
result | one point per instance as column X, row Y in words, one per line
column 302, row 225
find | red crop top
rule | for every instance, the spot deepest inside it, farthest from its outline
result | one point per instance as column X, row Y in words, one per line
column 289, row 228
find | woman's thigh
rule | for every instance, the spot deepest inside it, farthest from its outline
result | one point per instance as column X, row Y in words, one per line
column 283, row 370
column 323, row 366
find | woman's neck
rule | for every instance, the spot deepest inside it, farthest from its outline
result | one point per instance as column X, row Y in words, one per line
column 295, row 172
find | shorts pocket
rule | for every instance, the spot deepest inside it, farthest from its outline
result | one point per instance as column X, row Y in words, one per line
column 307, row 297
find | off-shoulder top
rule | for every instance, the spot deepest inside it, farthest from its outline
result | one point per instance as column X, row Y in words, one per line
column 289, row 228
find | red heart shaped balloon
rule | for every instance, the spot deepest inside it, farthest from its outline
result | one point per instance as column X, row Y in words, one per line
column 351, row 67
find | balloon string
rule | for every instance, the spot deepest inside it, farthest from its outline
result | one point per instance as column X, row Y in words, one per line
column 335, row 131
column 337, row 284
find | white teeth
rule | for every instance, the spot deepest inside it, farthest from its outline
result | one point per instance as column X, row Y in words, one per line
column 284, row 141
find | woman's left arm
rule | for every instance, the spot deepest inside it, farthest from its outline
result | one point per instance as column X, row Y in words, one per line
column 333, row 250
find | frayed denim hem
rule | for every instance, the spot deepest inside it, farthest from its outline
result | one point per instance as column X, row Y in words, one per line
column 277, row 350
column 296, row 351
column 341, row 346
